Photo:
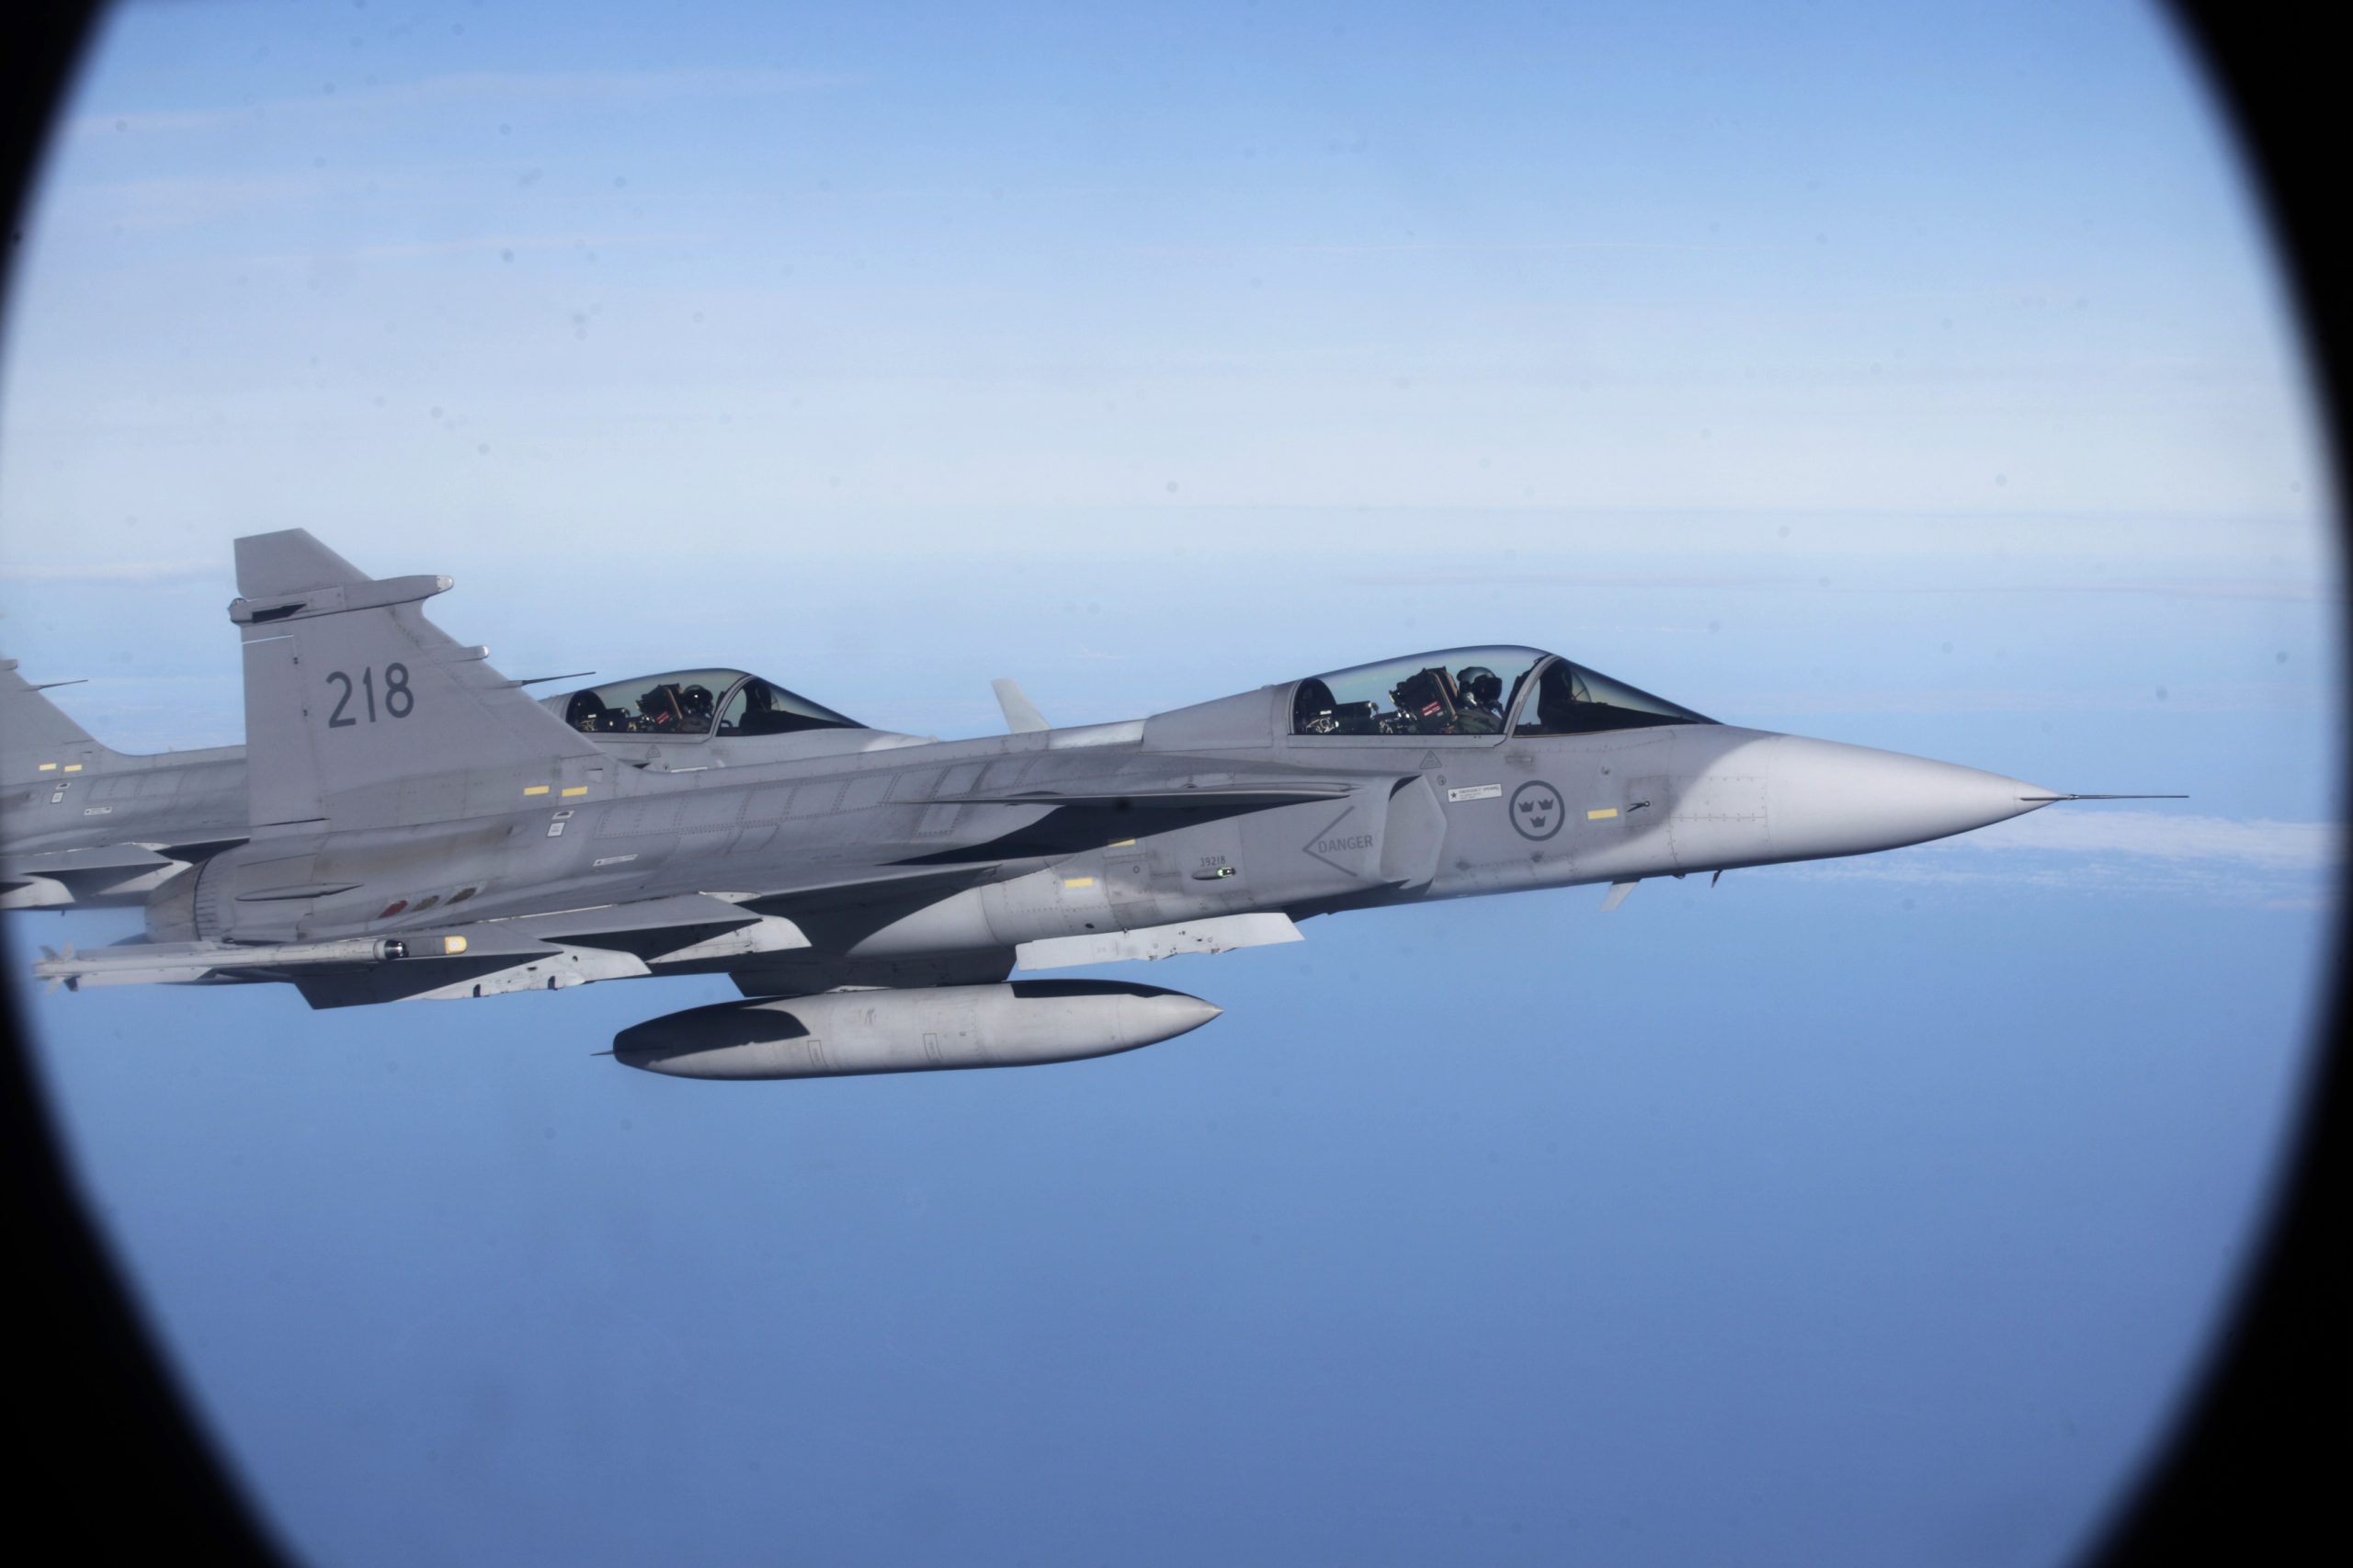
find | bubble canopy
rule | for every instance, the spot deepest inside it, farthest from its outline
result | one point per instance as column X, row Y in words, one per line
column 1475, row 691
column 692, row 705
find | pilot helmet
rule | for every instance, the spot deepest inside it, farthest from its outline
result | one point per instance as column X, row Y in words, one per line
column 1481, row 685
column 659, row 704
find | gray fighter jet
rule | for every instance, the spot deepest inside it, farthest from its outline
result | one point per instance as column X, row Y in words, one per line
column 86, row 826
column 419, row 829
column 84, row 823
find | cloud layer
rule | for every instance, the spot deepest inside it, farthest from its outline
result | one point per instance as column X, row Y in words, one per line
column 2253, row 862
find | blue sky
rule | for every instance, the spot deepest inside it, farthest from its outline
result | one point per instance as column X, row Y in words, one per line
column 1911, row 378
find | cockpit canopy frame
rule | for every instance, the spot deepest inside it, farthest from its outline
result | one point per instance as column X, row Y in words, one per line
column 1478, row 693
column 693, row 705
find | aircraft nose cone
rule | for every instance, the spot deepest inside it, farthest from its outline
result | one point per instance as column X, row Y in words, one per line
column 1828, row 799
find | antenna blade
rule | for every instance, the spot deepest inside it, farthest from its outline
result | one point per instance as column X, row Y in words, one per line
column 1021, row 715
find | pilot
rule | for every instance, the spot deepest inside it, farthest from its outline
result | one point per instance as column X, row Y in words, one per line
column 585, row 711
column 694, row 708
column 1481, row 712
column 759, row 716
column 658, row 712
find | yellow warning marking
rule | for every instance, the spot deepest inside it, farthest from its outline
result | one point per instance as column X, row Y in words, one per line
column 49, row 768
column 72, row 768
column 1604, row 812
column 1120, row 843
column 1078, row 881
column 453, row 945
column 572, row 789
column 535, row 788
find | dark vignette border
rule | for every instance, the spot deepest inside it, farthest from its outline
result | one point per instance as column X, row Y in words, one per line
column 107, row 1451
column 2260, row 1454
column 107, row 1448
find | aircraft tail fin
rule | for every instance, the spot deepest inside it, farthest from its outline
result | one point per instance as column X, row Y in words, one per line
column 38, row 739
column 359, row 712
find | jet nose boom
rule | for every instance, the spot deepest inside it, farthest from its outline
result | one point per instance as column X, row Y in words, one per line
column 1827, row 799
